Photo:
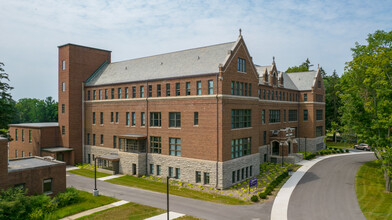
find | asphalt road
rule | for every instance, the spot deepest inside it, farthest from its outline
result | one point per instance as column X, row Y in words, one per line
column 327, row 190
column 196, row 208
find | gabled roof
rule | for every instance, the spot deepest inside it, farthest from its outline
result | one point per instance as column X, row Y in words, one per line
column 303, row 80
column 261, row 69
column 198, row 61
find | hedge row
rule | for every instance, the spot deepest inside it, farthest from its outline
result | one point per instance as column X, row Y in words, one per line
column 272, row 185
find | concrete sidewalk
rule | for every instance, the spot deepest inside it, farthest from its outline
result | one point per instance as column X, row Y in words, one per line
column 98, row 209
column 281, row 202
column 172, row 215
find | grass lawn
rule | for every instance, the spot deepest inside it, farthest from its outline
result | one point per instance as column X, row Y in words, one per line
column 88, row 173
column 187, row 217
column 342, row 145
column 127, row 211
column 373, row 200
column 88, row 201
column 176, row 190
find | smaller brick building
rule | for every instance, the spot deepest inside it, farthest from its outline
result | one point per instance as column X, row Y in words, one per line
column 36, row 174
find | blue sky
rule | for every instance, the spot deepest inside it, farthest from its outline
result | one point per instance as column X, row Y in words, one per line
column 323, row 31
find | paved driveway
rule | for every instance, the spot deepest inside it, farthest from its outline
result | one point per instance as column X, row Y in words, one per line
column 327, row 190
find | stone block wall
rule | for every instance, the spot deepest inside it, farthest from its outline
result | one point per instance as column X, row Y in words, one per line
column 312, row 144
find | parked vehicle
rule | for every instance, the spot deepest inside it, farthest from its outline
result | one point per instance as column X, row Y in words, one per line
column 362, row 146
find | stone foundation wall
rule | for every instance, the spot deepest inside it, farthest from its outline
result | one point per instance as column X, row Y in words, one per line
column 312, row 144
column 239, row 164
column 263, row 151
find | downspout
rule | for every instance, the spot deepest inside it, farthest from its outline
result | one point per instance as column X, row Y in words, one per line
column 83, row 122
column 146, row 124
column 217, row 129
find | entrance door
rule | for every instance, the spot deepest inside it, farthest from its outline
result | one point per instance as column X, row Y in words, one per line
column 275, row 148
column 289, row 147
column 60, row 156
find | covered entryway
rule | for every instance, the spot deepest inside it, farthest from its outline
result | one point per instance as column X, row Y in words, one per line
column 58, row 153
column 133, row 143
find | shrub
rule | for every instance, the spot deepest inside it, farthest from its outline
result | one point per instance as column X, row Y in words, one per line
column 70, row 196
column 347, row 151
column 263, row 196
column 254, row 198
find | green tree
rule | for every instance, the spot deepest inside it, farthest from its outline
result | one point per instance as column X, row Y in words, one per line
column 367, row 97
column 35, row 110
column 304, row 67
column 332, row 102
column 6, row 102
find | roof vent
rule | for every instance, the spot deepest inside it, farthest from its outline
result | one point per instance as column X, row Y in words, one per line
column 161, row 63
column 126, row 67
column 198, row 57
column 229, row 52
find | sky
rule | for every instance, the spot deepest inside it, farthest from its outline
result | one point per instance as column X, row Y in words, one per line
column 323, row 31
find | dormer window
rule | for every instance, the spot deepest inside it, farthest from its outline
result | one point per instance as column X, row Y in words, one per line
column 241, row 65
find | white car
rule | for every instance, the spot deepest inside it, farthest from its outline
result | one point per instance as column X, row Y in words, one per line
column 362, row 146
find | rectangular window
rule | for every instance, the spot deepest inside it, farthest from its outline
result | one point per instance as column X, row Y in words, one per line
column 30, row 137
column 250, row 89
column 16, row 134
column 241, row 89
column 305, row 97
column 114, row 141
column 63, row 87
column 319, row 84
column 178, row 89
column 306, row 115
column 63, row 130
column 133, row 119
column 155, row 145
column 246, row 89
column 284, row 96
column 263, row 93
column 263, row 116
column 126, row 92
column 158, row 170
column 241, row 65
column 188, row 88
column 63, row 108
column 167, row 89
column 93, row 139
column 293, row 115
column 63, row 65
column 106, row 93
column 119, row 93
column 233, row 177
column 151, row 168
column 280, row 95
column 112, row 93
column 159, row 90
column 259, row 92
column 250, row 171
column 232, row 87
column 274, row 116
column 88, row 138
column 133, row 91
column 23, row 135
column 240, row 147
column 101, row 139
column 198, row 88
column 174, row 119
column 94, row 95
column 47, row 186
column 196, row 118
column 112, row 117
column 117, row 117
column 319, row 131
column 127, row 119
column 88, row 95
column 142, row 119
column 175, row 147
column 141, row 91
column 178, row 173
column 149, row 90
column 246, row 172
column 101, row 121
column 210, row 87
column 268, row 95
column 241, row 118
column 155, row 119
column 171, row 172
column 237, row 88
column 238, row 175
column 319, row 114
column 242, row 173
column 16, row 153
column 206, row 178
column 265, row 137
column 100, row 94
column 198, row 176
column 284, row 115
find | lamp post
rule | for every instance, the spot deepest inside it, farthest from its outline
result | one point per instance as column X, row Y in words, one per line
column 305, row 146
column 167, row 195
column 281, row 151
column 95, row 191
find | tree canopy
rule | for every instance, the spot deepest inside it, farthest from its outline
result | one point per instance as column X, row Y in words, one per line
column 35, row 110
column 367, row 96
column 6, row 102
column 304, row 67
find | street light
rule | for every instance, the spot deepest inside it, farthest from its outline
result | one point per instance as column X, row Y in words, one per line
column 95, row 191
column 281, row 151
column 305, row 146
column 167, row 195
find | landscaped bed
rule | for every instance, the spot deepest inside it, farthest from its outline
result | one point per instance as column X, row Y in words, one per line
column 374, row 201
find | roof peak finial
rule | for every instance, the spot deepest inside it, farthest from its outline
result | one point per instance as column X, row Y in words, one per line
column 318, row 66
column 240, row 32
column 273, row 60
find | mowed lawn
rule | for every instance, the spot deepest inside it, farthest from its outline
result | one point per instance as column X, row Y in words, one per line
column 374, row 201
column 175, row 190
column 132, row 211
column 340, row 145
column 88, row 201
column 88, row 173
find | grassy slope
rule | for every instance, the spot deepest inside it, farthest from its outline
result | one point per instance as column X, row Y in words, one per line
column 373, row 200
column 88, row 202
column 342, row 145
column 127, row 211
column 88, row 173
column 175, row 190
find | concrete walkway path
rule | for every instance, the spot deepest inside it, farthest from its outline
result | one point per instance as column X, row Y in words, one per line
column 172, row 215
column 109, row 177
column 281, row 203
column 98, row 209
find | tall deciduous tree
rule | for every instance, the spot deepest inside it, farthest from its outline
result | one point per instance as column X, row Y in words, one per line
column 332, row 102
column 367, row 96
column 35, row 110
column 6, row 102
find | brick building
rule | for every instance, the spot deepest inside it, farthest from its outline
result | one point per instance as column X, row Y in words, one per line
column 207, row 115
column 37, row 175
